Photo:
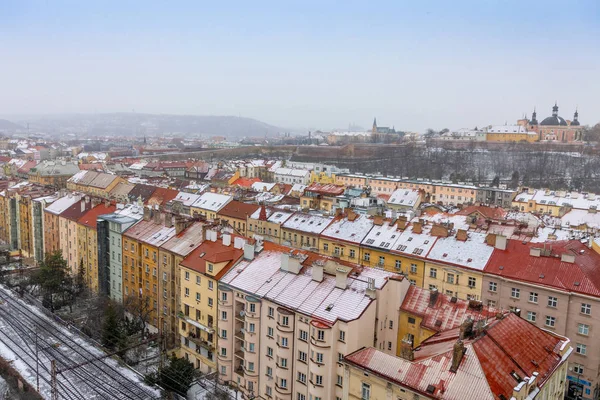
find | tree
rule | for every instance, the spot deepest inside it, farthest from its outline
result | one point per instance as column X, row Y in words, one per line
column 80, row 279
column 592, row 134
column 496, row 181
column 514, row 180
column 140, row 308
column 176, row 377
column 52, row 278
column 112, row 331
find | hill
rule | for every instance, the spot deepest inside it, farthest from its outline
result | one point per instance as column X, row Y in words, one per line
column 6, row 125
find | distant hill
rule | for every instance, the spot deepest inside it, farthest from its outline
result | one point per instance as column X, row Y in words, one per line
column 6, row 125
column 134, row 124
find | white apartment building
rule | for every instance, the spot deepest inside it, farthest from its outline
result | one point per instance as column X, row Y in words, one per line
column 288, row 317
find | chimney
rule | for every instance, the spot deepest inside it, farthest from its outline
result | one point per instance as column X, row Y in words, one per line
column 406, row 350
column 249, row 251
column 290, row 263
column 535, row 252
column 106, row 203
column 168, row 220
column 378, row 220
column 285, row 260
column 439, row 231
column 501, row 242
column 147, row 214
column 568, row 258
column 341, row 278
column 317, row 271
column 491, row 239
column 263, row 213
column 95, row 201
column 83, row 203
column 466, row 328
column 402, row 222
column 371, row 292
column 226, row 239
column 433, row 296
column 180, row 225
column 156, row 216
column 458, row 352
column 461, row 235
column 417, row 227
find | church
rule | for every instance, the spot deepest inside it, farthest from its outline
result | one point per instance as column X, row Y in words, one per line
column 555, row 128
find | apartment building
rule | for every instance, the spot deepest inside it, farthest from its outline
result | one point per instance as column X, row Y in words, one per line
column 342, row 238
column 94, row 183
column 405, row 199
column 321, row 196
column 199, row 274
column 87, row 242
column 209, row 204
column 110, row 228
column 182, row 203
column 53, row 173
column 502, row 358
column 492, row 196
column 556, row 286
column 302, row 230
column 265, row 223
column 555, row 203
column 287, row 318
column 383, row 185
column 188, row 236
column 351, row 180
column 236, row 214
column 52, row 234
column 141, row 244
column 68, row 229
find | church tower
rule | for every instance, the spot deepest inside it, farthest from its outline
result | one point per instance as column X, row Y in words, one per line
column 374, row 131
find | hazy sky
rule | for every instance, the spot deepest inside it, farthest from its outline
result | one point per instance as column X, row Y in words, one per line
column 309, row 64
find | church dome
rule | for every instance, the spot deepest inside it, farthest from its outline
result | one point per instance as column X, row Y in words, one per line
column 575, row 123
column 554, row 120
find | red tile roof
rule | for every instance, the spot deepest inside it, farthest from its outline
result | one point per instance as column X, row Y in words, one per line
column 237, row 209
column 74, row 212
column 245, row 182
column 213, row 252
column 582, row 276
column 162, row 196
column 485, row 211
column 328, row 189
column 90, row 218
column 441, row 314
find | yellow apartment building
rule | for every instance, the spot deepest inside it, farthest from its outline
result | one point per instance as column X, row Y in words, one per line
column 209, row 204
column 200, row 273
column 302, row 230
column 351, row 180
column 141, row 244
column 236, row 214
column 266, row 223
column 342, row 238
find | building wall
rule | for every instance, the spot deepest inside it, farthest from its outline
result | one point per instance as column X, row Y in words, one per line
column 379, row 388
column 413, row 268
column 567, row 314
column 169, row 294
column 440, row 276
column 345, row 251
column 51, row 233
column 269, row 230
column 299, row 239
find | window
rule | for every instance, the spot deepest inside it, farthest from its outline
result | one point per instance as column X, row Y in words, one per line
column 533, row 297
column 271, row 311
column 303, row 335
column 284, row 342
column 381, row 260
column 552, row 301
column 283, row 383
column 252, row 307
column 268, row 390
column 210, row 285
column 581, row 349
column 342, row 336
column 223, row 333
column 251, row 347
column 223, row 370
column 300, row 396
column 283, row 362
column 413, row 268
column 583, row 329
column 472, row 282
column 586, row 308
column 367, row 257
column 224, row 315
column 531, row 316
column 433, row 272
column 515, row 293
column 321, row 335
column 210, row 302
column 187, row 292
column 319, row 380
column 493, row 287
column 251, row 327
column 269, row 371
column 210, row 268
column 578, row 369
column 164, row 274
column 223, row 352
column 398, row 264
column 224, row 296
column 197, row 296
column 352, row 253
column 197, row 279
column 340, row 357
column 285, row 320
column 340, row 381
column 450, row 278
column 301, row 377
column 320, row 358
column 270, row 332
column 250, row 366
column 366, row 391
column 187, row 276
column 302, row 356
column 550, row 321
column 270, row 352
column 325, row 246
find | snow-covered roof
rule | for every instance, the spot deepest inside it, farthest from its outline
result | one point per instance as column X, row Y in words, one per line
column 60, row 205
column 298, row 187
column 473, row 253
column 212, row 201
column 292, row 172
column 382, row 236
column 260, row 186
column 349, row 231
column 264, row 278
column 187, row 199
column 582, row 201
column 78, row 176
column 309, row 223
column 415, row 244
column 404, row 197
column 138, row 165
column 509, row 129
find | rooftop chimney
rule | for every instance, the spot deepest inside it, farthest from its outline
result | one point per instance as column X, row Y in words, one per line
column 317, row 271
column 371, row 292
column 466, row 328
column 406, row 350
column 226, row 239
column 402, row 222
column 458, row 351
column 568, row 258
column 168, row 220
column 147, row 214
column 461, row 235
column 263, row 213
column 341, row 278
column 417, row 227
column 433, row 296
column 248, row 251
column 501, row 242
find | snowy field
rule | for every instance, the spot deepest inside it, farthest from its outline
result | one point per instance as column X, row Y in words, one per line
column 82, row 375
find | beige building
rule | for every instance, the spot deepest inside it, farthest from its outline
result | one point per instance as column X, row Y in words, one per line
column 505, row 358
column 265, row 223
column 288, row 317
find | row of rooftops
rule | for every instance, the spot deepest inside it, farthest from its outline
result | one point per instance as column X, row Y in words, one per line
column 559, row 198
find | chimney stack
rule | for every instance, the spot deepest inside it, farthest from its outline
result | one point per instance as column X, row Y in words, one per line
column 417, row 227
column 147, row 214
column 466, row 328
column 341, row 279
column 501, row 242
column 317, row 271
column 433, row 296
column 406, row 350
column 458, row 352
column 371, row 292
column 168, row 220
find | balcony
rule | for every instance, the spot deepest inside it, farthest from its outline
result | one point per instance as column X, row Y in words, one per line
column 240, row 335
column 198, row 341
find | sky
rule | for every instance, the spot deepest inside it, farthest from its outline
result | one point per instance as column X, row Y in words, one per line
column 304, row 64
